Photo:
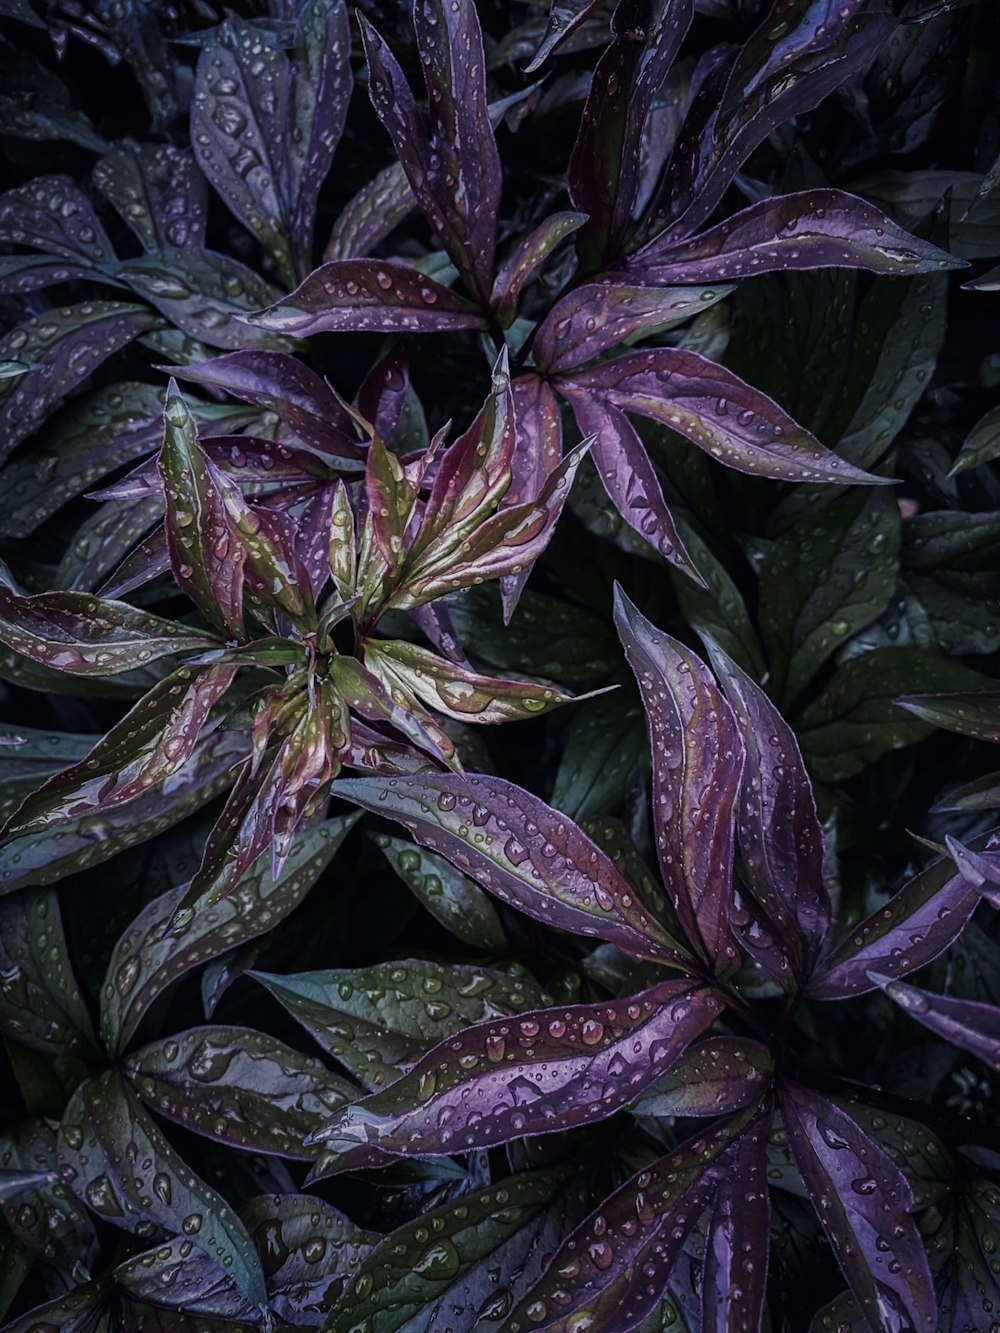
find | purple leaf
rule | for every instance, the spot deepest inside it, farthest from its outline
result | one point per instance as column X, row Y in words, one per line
column 719, row 1075
column 369, row 295
column 604, row 168
column 628, row 475
column 51, row 213
column 205, row 294
column 916, row 925
column 537, row 453
column 390, row 497
column 810, row 230
column 311, row 1250
column 597, row 316
column 281, row 384
column 53, row 1227
column 68, row 848
column 368, row 696
column 187, row 1282
column 457, row 691
column 148, row 561
column 85, row 635
column 619, row 1260
column 969, row 1024
column 525, row 853
column 383, row 393
column 698, row 759
column 150, row 1176
column 205, row 554
column 454, row 171
column 264, row 126
column 565, row 16
column 368, row 218
column 548, row 1070
column 158, row 191
column 780, row 836
column 446, row 1268
column 40, row 1001
column 63, row 347
column 864, row 1204
column 139, row 753
column 737, row 424
column 20, row 274
column 378, row 1021
column 737, row 1242
column 103, row 539
column 274, row 577
column 769, row 80
column 145, row 962
column 527, row 257
column 980, row 869
column 238, row 1086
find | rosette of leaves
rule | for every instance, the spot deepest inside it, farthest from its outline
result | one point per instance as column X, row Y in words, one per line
column 690, row 1228
column 275, row 582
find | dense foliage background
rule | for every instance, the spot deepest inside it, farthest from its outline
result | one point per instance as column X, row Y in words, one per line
column 373, row 373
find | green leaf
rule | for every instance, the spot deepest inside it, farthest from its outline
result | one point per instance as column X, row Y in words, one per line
column 40, row 1001
column 144, row 963
column 451, row 897
column 858, row 717
column 378, row 1021
column 717, row 610
column 30, row 755
column 829, row 576
column 604, row 750
column 969, row 712
column 981, row 445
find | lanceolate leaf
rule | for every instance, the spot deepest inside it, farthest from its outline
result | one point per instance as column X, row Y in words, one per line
column 546, row 1070
column 620, row 1259
column 369, row 295
column 31, row 755
column 376, row 210
column 527, row 257
column 439, row 1267
column 969, row 714
column 40, row 1002
column 62, row 347
column 737, row 1241
column 145, row 962
column 911, row 930
column 165, row 1190
column 813, row 229
column 595, row 317
column 521, row 850
column 380, row 1020
column 451, row 897
column 863, row 1202
column 51, row 213
column 966, row 1023
column 719, row 1075
column 159, row 192
column 85, row 635
column 184, row 1282
column 698, row 760
column 779, row 832
column 537, row 452
column 77, row 1312
column 238, row 1086
column 67, row 848
column 731, row 421
column 139, row 754
column 205, row 555
column 565, row 16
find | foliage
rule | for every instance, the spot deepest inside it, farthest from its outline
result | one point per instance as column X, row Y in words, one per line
column 624, row 373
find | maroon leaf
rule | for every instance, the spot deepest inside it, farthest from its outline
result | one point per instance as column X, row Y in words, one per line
column 863, row 1202
column 282, row 384
column 616, row 1265
column 698, row 759
column 145, row 961
column 62, row 347
column 916, row 925
column 809, row 230
column 780, row 836
column 969, row 1024
column 731, row 421
column 85, row 635
column 369, row 295
column 604, row 168
column 719, row 1075
column 546, row 1070
column 628, row 475
column 274, row 576
column 527, row 257
column 238, row 1086
column 454, row 171
column 595, row 317
column 521, row 850
column 367, row 695
column 768, row 81
column 150, row 744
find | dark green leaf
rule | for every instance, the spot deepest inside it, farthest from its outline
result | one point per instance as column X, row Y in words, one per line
column 455, row 900
column 604, row 750
column 40, row 1002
